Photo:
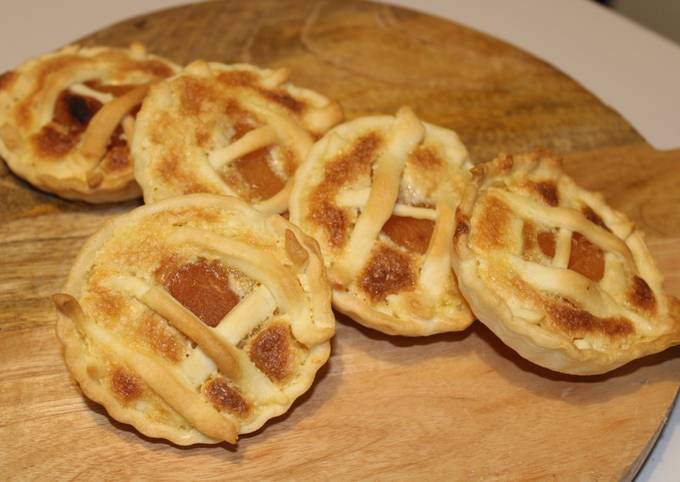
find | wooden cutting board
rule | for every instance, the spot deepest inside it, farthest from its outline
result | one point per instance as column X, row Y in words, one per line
column 454, row 406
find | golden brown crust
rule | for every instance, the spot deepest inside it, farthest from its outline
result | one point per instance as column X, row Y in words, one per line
column 250, row 129
column 388, row 271
column 270, row 350
column 63, row 119
column 134, row 307
column 225, row 397
column 557, row 274
column 379, row 194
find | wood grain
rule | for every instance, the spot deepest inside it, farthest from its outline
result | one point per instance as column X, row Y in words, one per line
column 456, row 406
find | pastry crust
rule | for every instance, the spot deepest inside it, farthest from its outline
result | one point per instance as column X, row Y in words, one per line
column 66, row 119
column 554, row 272
column 379, row 194
column 196, row 318
column 228, row 129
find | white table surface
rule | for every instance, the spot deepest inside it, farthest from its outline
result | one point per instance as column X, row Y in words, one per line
column 632, row 69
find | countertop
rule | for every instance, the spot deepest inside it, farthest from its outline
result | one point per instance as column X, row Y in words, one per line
column 632, row 69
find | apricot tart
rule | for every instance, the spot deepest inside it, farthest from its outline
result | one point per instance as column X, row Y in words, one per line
column 556, row 273
column 67, row 118
column 228, row 129
column 196, row 318
column 379, row 194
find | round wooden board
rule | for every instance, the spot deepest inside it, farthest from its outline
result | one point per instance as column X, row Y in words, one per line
column 456, row 406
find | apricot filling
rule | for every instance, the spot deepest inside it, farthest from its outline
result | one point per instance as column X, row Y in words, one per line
column 254, row 180
column 411, row 233
column 203, row 288
column 586, row 258
column 546, row 241
column 261, row 181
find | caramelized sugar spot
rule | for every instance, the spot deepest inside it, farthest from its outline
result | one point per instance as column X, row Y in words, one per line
column 193, row 93
column 262, row 182
column 578, row 322
column 411, row 233
column 494, row 224
column 203, row 133
column 237, row 77
column 24, row 112
column 242, row 120
column 171, row 169
column 72, row 114
column 426, row 158
column 75, row 111
column 270, row 351
column 548, row 191
column 51, row 142
column 351, row 164
column 109, row 302
column 388, row 271
column 586, row 258
column 203, row 288
column 161, row 338
column 593, row 217
column 117, row 157
column 241, row 128
column 641, row 295
column 462, row 226
column 225, row 397
column 154, row 67
column 333, row 220
column 283, row 98
column 125, row 385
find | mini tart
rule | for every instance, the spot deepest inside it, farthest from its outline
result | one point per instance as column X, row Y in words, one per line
column 555, row 273
column 67, row 118
column 228, row 129
column 196, row 318
column 379, row 195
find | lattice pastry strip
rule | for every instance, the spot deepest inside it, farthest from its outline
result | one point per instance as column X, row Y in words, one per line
column 216, row 348
column 379, row 194
column 228, row 129
column 209, row 317
column 67, row 119
column 168, row 385
column 558, row 275
column 407, row 133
